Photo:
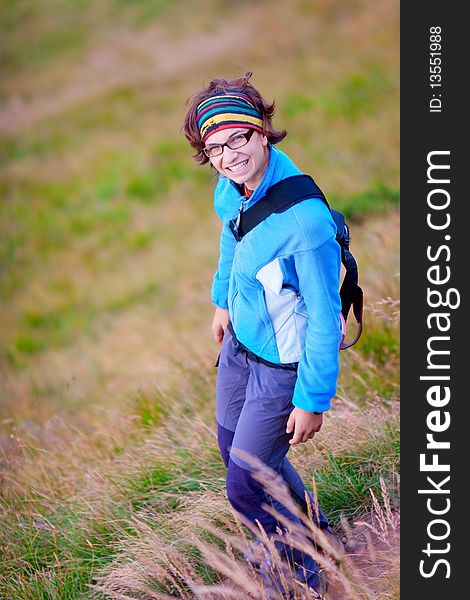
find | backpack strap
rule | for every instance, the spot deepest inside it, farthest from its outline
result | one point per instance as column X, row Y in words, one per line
column 351, row 294
column 280, row 197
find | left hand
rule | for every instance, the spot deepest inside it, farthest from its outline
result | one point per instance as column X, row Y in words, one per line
column 304, row 424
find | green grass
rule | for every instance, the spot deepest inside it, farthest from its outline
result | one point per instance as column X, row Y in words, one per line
column 37, row 33
column 151, row 408
column 380, row 344
column 71, row 540
column 58, row 555
column 375, row 200
column 345, row 482
column 108, row 243
column 357, row 94
column 61, row 325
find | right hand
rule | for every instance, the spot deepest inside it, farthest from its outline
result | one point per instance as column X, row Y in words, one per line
column 304, row 424
column 219, row 324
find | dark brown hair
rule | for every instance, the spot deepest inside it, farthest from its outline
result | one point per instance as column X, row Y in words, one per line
column 218, row 85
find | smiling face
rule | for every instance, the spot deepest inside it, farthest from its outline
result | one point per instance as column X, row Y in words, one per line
column 247, row 164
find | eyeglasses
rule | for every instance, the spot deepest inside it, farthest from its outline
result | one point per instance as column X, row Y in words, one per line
column 237, row 141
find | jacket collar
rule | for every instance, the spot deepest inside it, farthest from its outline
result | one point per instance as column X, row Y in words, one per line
column 279, row 167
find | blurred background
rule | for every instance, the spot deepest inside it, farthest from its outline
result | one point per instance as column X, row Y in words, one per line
column 108, row 244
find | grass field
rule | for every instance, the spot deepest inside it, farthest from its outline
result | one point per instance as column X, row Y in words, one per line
column 108, row 244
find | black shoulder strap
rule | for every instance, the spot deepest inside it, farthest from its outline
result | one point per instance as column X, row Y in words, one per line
column 279, row 198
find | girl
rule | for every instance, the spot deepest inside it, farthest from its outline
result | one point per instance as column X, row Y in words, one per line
column 277, row 314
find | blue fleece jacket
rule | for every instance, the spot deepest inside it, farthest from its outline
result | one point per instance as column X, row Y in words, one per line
column 280, row 284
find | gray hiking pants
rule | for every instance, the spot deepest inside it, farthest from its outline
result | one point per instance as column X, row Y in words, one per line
column 253, row 404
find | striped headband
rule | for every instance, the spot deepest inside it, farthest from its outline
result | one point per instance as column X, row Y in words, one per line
column 231, row 109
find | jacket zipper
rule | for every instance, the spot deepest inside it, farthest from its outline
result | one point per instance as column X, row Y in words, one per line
column 240, row 210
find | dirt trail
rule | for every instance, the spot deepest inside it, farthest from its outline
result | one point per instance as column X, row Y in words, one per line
column 372, row 555
column 134, row 59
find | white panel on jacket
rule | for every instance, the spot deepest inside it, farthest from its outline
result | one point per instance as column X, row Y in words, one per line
column 284, row 308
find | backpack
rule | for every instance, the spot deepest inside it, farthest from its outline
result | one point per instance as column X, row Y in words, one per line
column 279, row 198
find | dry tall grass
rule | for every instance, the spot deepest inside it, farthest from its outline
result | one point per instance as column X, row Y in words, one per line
column 149, row 567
